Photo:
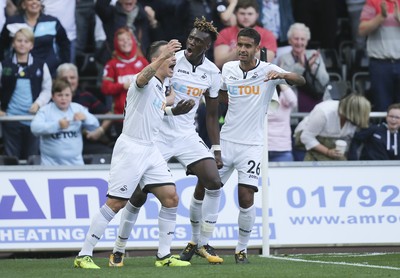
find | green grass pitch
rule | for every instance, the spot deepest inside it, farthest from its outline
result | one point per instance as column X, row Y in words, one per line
column 310, row 265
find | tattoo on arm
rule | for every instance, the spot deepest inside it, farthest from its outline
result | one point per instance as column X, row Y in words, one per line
column 148, row 73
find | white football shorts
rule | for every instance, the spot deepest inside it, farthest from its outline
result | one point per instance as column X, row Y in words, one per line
column 187, row 150
column 136, row 163
column 246, row 159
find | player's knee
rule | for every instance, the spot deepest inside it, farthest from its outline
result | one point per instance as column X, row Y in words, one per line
column 138, row 199
column 115, row 204
column 170, row 200
column 213, row 183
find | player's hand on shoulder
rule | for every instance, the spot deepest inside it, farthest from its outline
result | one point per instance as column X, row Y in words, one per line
column 183, row 107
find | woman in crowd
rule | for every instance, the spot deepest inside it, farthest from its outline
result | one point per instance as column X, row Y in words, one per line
column 329, row 121
column 299, row 59
column 51, row 41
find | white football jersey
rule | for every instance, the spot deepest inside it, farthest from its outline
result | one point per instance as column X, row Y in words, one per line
column 249, row 98
column 190, row 82
column 144, row 110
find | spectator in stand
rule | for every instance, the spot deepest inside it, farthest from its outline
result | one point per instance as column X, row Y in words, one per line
column 247, row 13
column 7, row 8
column 354, row 8
column 378, row 142
column 64, row 11
column 125, row 13
column 51, row 41
column 59, row 125
column 295, row 61
column 119, row 71
column 329, row 121
column 380, row 22
column 279, row 129
column 95, row 141
column 25, row 86
column 173, row 17
column 320, row 17
column 277, row 16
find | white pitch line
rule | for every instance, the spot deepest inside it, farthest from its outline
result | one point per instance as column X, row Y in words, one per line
column 336, row 263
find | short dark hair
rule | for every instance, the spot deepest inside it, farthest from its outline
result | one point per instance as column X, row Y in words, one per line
column 393, row 106
column 59, row 85
column 244, row 4
column 250, row 33
column 153, row 49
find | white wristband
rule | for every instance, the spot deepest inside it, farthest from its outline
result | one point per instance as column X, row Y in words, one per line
column 168, row 111
column 215, row 148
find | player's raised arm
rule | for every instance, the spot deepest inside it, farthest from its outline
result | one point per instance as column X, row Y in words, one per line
column 290, row 77
column 157, row 59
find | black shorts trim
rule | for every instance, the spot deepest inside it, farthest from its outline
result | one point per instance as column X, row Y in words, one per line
column 116, row 197
column 147, row 188
column 255, row 188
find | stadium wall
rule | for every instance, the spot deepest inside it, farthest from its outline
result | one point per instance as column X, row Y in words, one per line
column 320, row 204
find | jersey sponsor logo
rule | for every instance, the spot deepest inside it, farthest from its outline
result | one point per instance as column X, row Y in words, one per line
column 244, row 90
column 188, row 90
column 183, row 71
column 159, row 104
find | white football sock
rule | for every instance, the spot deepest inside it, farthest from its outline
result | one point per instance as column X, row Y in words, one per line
column 195, row 218
column 210, row 209
column 97, row 227
column 246, row 221
column 166, row 225
column 129, row 216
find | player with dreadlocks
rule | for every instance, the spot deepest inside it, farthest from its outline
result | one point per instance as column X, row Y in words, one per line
column 194, row 76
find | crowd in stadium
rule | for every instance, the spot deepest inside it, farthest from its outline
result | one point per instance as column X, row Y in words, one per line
column 347, row 50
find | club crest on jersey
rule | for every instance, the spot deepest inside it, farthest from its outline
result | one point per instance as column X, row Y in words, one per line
column 255, row 75
column 204, row 76
column 244, row 90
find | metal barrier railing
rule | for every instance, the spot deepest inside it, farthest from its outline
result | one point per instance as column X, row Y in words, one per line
column 120, row 117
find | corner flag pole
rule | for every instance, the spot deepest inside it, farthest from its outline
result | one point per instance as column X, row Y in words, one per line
column 264, row 198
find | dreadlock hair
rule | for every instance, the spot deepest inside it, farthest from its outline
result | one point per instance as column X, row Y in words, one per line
column 204, row 26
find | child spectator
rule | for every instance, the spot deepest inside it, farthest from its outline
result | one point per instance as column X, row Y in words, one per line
column 378, row 142
column 25, row 87
column 119, row 71
column 59, row 125
column 95, row 141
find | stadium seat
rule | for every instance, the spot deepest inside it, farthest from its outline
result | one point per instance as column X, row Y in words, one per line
column 33, row 160
column 361, row 83
column 332, row 60
column 97, row 158
column 9, row 160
